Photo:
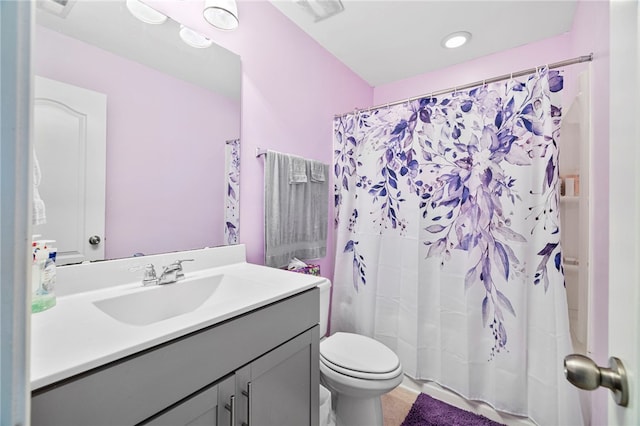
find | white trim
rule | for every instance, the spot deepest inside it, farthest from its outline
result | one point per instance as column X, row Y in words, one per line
column 15, row 192
column 624, row 202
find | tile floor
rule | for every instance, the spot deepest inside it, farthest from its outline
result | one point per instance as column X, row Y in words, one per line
column 396, row 405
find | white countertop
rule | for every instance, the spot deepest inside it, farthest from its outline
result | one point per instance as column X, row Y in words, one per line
column 75, row 336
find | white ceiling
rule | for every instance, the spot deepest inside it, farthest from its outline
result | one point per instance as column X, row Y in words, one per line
column 388, row 40
column 109, row 26
column 380, row 40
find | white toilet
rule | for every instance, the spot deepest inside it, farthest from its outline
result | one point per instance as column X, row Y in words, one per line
column 357, row 370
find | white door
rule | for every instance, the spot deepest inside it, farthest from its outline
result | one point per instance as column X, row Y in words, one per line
column 69, row 143
column 624, row 204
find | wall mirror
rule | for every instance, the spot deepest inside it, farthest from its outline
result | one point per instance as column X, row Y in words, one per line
column 172, row 128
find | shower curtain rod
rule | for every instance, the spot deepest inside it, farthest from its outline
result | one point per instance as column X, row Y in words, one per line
column 578, row 60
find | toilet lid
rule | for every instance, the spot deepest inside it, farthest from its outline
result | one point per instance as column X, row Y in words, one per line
column 354, row 354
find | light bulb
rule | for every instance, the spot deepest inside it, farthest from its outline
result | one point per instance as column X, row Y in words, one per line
column 456, row 39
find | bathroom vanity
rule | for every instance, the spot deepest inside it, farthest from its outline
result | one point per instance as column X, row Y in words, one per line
column 248, row 355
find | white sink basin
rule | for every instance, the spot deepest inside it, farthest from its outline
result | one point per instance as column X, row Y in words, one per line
column 148, row 305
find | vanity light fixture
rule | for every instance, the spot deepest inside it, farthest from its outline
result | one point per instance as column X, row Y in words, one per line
column 456, row 39
column 222, row 14
column 145, row 13
column 193, row 38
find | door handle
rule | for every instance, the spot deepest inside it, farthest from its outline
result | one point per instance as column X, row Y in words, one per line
column 582, row 372
column 231, row 407
column 94, row 240
column 247, row 394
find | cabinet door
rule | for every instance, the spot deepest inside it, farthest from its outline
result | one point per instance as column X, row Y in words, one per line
column 208, row 407
column 281, row 387
column 227, row 402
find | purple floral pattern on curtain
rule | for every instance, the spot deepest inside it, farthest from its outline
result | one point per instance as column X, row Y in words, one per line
column 462, row 155
column 232, row 192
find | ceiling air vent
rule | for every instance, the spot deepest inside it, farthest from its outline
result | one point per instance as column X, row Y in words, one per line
column 321, row 9
column 59, row 8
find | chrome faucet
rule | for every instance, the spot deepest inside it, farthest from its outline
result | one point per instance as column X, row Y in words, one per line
column 172, row 273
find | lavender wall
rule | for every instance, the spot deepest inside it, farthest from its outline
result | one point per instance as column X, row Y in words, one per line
column 291, row 89
column 164, row 184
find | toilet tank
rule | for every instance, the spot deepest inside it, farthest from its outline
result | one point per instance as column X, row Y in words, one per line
column 325, row 295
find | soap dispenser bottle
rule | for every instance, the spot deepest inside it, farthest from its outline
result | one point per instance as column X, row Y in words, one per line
column 42, row 298
column 49, row 273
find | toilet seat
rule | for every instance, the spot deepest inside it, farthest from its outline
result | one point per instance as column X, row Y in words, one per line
column 361, row 374
column 359, row 356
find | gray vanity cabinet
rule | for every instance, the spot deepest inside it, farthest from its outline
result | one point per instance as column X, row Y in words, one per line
column 209, row 407
column 263, row 365
column 273, row 390
column 281, row 388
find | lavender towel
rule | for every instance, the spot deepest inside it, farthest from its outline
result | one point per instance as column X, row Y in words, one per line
column 427, row 411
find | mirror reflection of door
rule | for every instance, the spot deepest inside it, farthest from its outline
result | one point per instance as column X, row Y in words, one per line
column 70, row 144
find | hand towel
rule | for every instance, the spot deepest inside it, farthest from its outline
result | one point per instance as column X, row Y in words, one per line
column 295, row 215
column 297, row 170
column 317, row 171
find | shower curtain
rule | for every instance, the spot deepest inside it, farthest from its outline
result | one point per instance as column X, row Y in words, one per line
column 232, row 192
column 448, row 243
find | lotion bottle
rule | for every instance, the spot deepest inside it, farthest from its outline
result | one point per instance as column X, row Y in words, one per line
column 41, row 298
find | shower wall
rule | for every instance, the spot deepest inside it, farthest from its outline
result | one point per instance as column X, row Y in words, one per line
column 575, row 142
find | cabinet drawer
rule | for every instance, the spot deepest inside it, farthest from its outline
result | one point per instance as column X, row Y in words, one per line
column 133, row 389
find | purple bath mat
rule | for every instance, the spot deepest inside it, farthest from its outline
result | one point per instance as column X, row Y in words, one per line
column 427, row 411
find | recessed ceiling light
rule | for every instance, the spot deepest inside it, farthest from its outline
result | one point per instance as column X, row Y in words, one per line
column 456, row 39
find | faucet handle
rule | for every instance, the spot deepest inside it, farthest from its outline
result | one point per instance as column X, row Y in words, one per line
column 149, row 275
column 179, row 261
column 177, row 265
column 177, row 268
